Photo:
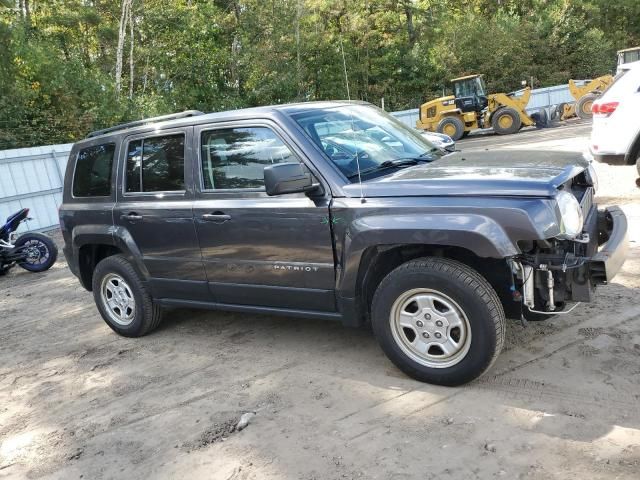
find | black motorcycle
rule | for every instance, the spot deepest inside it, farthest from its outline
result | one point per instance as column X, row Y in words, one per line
column 33, row 251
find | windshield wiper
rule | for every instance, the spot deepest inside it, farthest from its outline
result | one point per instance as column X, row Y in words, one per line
column 398, row 162
column 431, row 152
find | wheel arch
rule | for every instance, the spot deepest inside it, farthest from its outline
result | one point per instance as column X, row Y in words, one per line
column 369, row 253
column 634, row 151
column 378, row 261
column 91, row 244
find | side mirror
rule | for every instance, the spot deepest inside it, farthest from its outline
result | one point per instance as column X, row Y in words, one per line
column 283, row 178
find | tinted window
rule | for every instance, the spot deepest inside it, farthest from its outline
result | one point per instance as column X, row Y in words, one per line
column 236, row 157
column 92, row 177
column 156, row 164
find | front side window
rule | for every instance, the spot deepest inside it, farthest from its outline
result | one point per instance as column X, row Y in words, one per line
column 92, row 177
column 235, row 158
column 156, row 164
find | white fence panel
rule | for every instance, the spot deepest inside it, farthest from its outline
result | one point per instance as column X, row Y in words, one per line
column 33, row 178
column 408, row 117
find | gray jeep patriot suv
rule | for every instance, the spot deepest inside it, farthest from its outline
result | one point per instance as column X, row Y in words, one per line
column 335, row 210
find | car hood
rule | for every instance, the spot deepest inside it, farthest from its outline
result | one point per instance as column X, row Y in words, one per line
column 486, row 173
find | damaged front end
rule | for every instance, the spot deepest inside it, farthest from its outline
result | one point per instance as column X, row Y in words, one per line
column 551, row 273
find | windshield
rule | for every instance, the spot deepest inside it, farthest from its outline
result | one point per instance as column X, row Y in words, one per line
column 364, row 136
column 469, row 87
column 628, row 56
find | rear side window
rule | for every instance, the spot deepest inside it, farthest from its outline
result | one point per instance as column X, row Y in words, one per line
column 92, row 177
column 235, row 158
column 156, row 164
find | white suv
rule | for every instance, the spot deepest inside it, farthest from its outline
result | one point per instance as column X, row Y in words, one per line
column 615, row 135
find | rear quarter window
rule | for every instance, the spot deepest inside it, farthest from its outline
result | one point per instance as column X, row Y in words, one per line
column 92, row 176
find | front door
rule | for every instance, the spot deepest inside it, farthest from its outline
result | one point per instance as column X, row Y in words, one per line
column 154, row 210
column 259, row 250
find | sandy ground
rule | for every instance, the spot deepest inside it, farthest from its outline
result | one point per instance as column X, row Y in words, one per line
column 77, row 401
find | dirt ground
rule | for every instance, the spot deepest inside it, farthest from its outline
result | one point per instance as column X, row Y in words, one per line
column 77, row 401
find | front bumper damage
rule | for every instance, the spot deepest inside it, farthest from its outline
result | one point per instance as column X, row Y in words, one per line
column 607, row 262
column 569, row 271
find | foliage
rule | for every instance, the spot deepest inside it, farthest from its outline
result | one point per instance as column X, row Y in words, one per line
column 58, row 57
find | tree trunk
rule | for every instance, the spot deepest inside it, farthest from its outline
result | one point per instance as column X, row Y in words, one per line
column 122, row 33
column 130, row 53
column 411, row 30
column 27, row 13
column 235, row 51
column 298, row 59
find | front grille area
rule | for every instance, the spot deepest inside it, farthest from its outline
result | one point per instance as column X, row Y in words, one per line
column 586, row 202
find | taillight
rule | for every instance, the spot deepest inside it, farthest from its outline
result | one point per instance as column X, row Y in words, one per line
column 606, row 108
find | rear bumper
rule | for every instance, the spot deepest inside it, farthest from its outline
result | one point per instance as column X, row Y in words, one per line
column 611, row 158
column 607, row 262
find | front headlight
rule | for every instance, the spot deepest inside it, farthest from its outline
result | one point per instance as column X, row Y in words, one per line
column 571, row 220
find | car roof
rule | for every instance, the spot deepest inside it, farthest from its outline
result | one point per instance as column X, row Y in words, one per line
column 631, row 49
column 192, row 117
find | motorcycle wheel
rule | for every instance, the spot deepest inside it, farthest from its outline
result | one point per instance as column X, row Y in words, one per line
column 41, row 252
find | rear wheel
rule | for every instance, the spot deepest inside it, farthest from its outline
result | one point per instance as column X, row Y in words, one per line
column 452, row 126
column 438, row 320
column 41, row 252
column 584, row 104
column 506, row 121
column 122, row 299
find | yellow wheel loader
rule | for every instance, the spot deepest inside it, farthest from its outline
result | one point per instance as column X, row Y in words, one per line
column 585, row 95
column 470, row 108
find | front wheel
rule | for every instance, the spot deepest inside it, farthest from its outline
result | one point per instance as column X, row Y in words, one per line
column 438, row 320
column 452, row 126
column 41, row 252
column 506, row 121
column 584, row 104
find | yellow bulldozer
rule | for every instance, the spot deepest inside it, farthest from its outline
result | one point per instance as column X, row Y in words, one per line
column 470, row 108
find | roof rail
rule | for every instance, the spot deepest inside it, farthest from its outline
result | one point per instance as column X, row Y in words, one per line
column 138, row 123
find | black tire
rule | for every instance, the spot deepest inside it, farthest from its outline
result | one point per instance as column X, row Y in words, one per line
column 46, row 247
column 542, row 119
column 454, row 127
column 502, row 116
column 583, row 106
column 559, row 112
column 469, row 291
column 146, row 314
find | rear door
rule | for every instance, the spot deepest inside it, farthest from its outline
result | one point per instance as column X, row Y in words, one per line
column 259, row 250
column 154, row 212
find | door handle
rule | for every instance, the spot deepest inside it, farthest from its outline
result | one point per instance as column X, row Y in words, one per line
column 131, row 217
column 216, row 217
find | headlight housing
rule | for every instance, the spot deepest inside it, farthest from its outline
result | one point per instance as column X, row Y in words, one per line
column 571, row 220
column 592, row 177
